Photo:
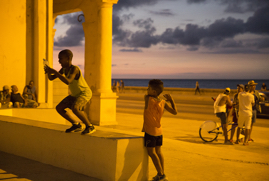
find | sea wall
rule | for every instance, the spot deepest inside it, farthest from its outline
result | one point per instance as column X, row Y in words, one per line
column 170, row 90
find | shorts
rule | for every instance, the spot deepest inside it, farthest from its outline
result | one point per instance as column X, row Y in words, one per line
column 254, row 116
column 153, row 141
column 18, row 103
column 222, row 116
column 71, row 102
column 244, row 120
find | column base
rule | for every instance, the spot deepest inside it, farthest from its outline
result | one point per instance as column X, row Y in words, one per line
column 101, row 109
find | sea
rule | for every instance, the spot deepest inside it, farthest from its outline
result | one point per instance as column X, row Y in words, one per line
column 190, row 83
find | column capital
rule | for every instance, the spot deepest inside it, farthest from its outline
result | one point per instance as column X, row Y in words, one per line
column 110, row 1
column 107, row 3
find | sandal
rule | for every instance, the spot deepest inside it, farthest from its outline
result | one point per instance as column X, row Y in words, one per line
column 245, row 144
column 251, row 140
column 231, row 141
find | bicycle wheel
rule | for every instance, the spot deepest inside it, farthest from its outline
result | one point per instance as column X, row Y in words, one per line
column 209, row 131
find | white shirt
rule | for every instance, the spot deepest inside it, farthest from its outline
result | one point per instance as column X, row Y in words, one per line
column 245, row 103
column 217, row 108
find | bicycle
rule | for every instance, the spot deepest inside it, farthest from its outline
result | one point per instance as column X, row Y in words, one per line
column 210, row 130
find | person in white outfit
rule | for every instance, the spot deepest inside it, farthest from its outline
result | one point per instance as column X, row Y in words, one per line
column 220, row 111
column 246, row 101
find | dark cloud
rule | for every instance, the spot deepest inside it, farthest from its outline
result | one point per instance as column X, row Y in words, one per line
column 74, row 35
column 218, row 34
column 259, row 22
column 127, row 17
column 224, row 28
column 237, row 6
column 117, row 23
column 131, row 50
column 146, row 24
column 210, row 42
column 231, row 43
column 193, row 48
column 126, row 4
column 163, row 12
column 264, row 43
column 120, row 36
column 236, row 51
column 191, row 36
column 242, row 6
column 142, row 39
column 196, row 1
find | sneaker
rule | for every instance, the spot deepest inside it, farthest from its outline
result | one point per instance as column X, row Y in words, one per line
column 74, row 128
column 160, row 178
column 163, row 178
column 89, row 130
column 228, row 143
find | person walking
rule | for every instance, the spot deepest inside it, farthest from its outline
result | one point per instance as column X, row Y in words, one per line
column 197, row 89
column 121, row 86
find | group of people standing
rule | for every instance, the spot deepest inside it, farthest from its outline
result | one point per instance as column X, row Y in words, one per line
column 243, row 110
column 28, row 99
column 118, row 86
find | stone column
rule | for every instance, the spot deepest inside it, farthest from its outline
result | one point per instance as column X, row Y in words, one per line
column 98, row 62
column 40, row 49
column 43, row 49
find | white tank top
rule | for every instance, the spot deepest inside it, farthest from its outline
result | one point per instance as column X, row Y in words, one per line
column 217, row 108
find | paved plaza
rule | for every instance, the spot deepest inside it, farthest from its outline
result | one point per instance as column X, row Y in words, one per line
column 187, row 157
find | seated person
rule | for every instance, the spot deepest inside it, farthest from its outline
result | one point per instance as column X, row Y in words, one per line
column 16, row 97
column 19, row 101
column 5, row 97
column 30, row 90
column 29, row 103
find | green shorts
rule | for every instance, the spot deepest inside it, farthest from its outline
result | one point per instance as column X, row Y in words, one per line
column 71, row 102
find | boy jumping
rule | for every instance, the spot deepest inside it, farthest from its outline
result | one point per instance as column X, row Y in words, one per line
column 154, row 108
column 80, row 92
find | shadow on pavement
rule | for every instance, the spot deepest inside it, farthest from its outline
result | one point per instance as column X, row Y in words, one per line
column 190, row 139
column 196, row 139
column 14, row 167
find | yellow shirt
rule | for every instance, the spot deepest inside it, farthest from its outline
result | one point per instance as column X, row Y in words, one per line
column 79, row 88
column 152, row 117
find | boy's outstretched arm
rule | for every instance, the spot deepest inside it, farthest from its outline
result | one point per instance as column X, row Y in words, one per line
column 173, row 109
column 50, row 72
column 54, row 74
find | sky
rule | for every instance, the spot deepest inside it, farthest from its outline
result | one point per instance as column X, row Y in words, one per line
column 179, row 39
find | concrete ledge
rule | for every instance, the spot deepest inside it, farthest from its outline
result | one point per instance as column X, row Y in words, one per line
column 104, row 155
column 39, row 114
column 178, row 90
